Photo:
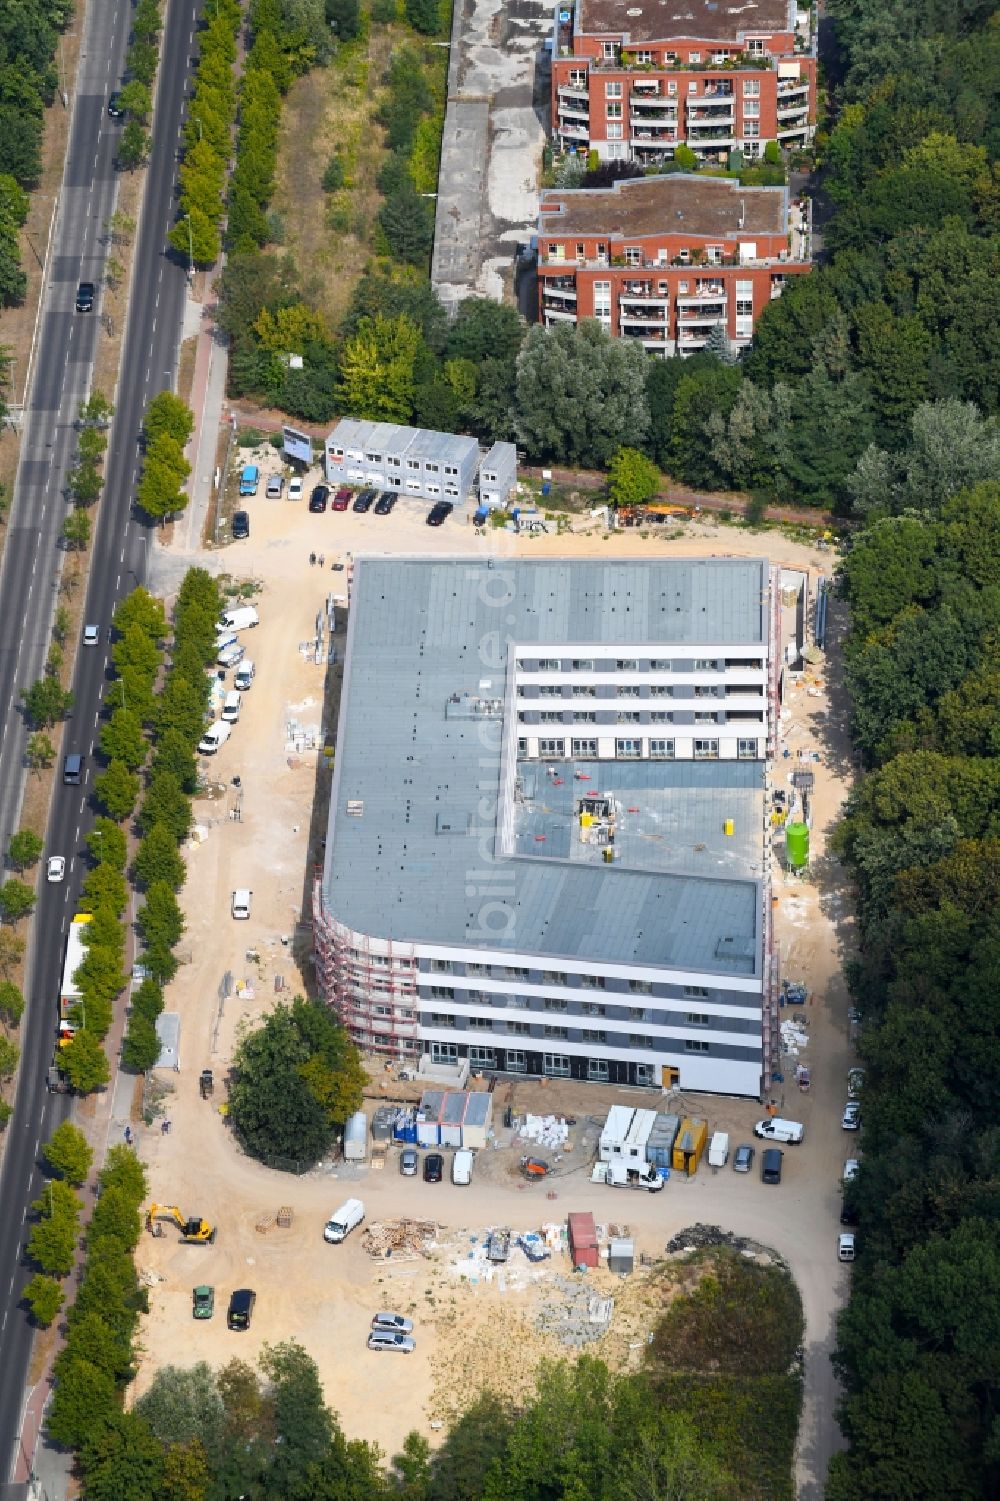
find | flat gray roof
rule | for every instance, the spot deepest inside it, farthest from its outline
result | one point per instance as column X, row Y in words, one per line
column 415, row 858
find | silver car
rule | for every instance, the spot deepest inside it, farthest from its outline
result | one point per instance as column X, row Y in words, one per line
column 275, row 485
column 386, row 1339
column 394, row 1322
column 743, row 1158
column 408, row 1162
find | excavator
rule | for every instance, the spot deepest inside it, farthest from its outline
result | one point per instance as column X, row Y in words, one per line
column 195, row 1231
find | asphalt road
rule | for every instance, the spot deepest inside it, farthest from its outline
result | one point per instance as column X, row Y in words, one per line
column 29, row 577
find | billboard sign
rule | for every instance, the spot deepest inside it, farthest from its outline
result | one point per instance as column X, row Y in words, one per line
column 298, row 447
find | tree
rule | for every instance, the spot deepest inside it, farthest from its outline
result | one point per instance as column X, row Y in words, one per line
column 407, row 222
column 578, row 392
column 424, row 16
column 97, row 409
column 122, row 1461
column 24, row 849
column 11, row 952
column 16, row 900
column 117, row 790
column 11, row 1003
column 9, row 1055
column 84, row 482
column 484, row 329
column 44, row 1297
column 174, row 753
column 107, row 845
column 160, row 921
column 52, row 1245
column 46, row 702
column 165, row 803
column 707, row 390
column 141, row 1046
column 183, row 1405
column 68, row 1153
column 139, row 611
column 40, row 752
column 166, row 413
column 134, row 146
column 157, row 860
column 84, row 1063
column 377, row 368
column 84, row 1402
column 632, row 478
column 122, row 739
column 304, row 1423
column 76, row 529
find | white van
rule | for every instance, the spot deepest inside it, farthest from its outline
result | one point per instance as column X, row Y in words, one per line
column 718, row 1149
column 343, row 1220
column 240, row 619
column 245, row 675
column 461, row 1168
column 776, row 1129
column 215, row 736
column 241, row 903
column 231, row 707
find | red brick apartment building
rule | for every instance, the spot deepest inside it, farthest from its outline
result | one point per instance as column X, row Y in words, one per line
column 633, row 81
column 667, row 259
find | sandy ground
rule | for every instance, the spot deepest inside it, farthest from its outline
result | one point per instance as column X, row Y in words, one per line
column 325, row 1296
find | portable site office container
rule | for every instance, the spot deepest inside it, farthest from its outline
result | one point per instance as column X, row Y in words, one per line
column 452, row 1112
column 690, row 1144
column 356, row 1137
column 428, row 1118
column 414, row 461
column 638, row 1135
column 478, row 1116
column 382, row 1123
column 498, row 475
column 616, row 1129
column 660, row 1146
column 621, row 1256
column 583, row 1247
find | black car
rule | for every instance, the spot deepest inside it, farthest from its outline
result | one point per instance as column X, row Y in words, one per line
column 440, row 513
column 433, row 1167
column 319, row 498
column 364, row 500
column 241, row 525
column 848, row 1214
column 385, row 502
column 241, row 1306
column 85, row 294
column 115, row 109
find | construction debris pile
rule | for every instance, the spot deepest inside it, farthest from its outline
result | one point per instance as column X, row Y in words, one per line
column 573, row 1314
column 399, row 1238
column 794, row 1038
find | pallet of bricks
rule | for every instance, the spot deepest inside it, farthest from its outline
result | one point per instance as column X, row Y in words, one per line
column 399, row 1238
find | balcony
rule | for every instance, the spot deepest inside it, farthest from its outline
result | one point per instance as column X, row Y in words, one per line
column 789, row 90
column 698, row 317
column 643, row 294
column 802, row 128
column 558, row 302
column 652, row 88
column 662, row 114
column 719, row 114
column 709, row 291
column 793, row 111
column 653, row 321
column 716, row 140
column 563, row 286
column 573, row 112
column 559, row 315
column 575, row 132
column 717, row 90
column 649, row 102
column 664, row 135
column 571, row 91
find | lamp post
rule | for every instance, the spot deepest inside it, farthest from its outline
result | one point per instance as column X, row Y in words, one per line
column 190, row 249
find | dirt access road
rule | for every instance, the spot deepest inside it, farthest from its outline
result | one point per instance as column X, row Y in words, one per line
column 324, row 1296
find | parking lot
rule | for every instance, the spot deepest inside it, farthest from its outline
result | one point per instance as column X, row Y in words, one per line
column 325, row 1295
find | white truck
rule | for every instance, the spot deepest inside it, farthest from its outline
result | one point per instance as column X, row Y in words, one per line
column 642, row 1175
column 356, row 1137
column 214, row 737
column 241, row 618
column 777, row 1129
column 718, row 1149
column 241, row 903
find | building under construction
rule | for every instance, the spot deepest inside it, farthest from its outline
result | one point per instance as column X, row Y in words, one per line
column 546, row 850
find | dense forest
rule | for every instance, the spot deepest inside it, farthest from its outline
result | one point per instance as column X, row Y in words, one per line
column 914, row 283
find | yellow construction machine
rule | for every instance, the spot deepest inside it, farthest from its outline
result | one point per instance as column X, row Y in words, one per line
column 197, row 1232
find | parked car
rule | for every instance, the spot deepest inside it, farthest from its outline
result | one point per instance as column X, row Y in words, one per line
column 743, row 1158
column 85, row 294
column 845, row 1246
column 440, row 513
column 364, row 499
column 385, row 502
column 275, row 486
column 433, row 1167
column 241, row 1306
column 203, row 1302
column 394, row 1321
column 850, row 1170
column 855, row 1079
column 342, row 499
column 115, row 109
column 776, row 1129
column 848, row 1214
column 408, row 1162
column 56, row 868
column 295, row 487
column 241, row 525
column 851, row 1120
column 91, row 635
column 319, row 498
column 385, row 1339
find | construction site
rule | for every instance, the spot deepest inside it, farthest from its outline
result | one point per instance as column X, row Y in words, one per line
column 265, row 833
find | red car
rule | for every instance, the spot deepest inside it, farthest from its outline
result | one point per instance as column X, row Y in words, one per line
column 342, row 499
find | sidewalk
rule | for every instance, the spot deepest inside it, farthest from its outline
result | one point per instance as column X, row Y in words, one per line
column 208, row 395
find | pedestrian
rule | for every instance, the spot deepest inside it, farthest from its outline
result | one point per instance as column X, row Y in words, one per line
column 312, row 559
column 322, row 560
column 128, row 1136
column 164, row 1127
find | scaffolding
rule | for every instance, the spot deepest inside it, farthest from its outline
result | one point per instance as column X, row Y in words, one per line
column 774, row 658
column 370, row 982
